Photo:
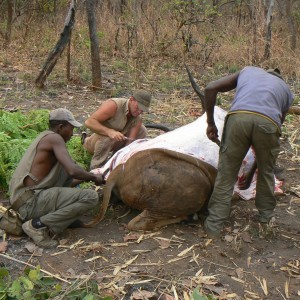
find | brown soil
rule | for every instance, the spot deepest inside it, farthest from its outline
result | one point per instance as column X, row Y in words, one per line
column 248, row 262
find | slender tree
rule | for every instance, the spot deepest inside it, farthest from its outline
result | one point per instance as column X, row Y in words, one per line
column 7, row 35
column 59, row 47
column 269, row 5
column 95, row 56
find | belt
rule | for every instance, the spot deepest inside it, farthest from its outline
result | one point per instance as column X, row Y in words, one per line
column 27, row 194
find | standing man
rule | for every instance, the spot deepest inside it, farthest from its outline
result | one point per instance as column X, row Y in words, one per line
column 261, row 102
column 116, row 124
column 42, row 187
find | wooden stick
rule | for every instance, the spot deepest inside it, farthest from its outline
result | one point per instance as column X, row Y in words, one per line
column 32, row 266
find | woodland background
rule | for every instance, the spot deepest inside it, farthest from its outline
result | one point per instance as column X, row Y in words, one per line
column 144, row 37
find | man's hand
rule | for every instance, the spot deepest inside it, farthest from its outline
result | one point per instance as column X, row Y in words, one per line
column 212, row 133
column 99, row 180
column 116, row 135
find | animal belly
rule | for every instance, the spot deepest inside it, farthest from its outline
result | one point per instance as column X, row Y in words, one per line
column 162, row 184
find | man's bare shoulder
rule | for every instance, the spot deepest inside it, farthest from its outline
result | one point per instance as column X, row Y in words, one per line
column 51, row 140
column 105, row 111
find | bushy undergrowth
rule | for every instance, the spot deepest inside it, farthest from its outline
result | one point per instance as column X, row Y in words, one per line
column 33, row 285
column 17, row 131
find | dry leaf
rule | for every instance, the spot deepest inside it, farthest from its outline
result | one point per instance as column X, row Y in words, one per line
column 118, row 268
column 286, row 289
column 175, row 259
column 246, row 237
column 58, row 253
column 264, row 286
column 177, row 231
column 166, row 297
column 71, row 272
column 73, row 246
column 164, row 244
column 239, row 272
column 233, row 295
column 253, row 295
column 219, row 290
column 3, row 246
column 185, row 251
column 228, row 238
column 117, row 244
column 131, row 236
column 249, row 261
column 175, row 292
column 96, row 257
column 186, row 296
column 134, row 270
column 142, row 295
column 138, row 282
column 237, row 279
column 208, row 242
column 208, row 280
column 32, row 248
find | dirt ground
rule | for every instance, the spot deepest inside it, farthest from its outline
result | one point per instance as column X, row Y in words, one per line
column 247, row 262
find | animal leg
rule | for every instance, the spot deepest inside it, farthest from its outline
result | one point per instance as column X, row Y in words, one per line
column 145, row 221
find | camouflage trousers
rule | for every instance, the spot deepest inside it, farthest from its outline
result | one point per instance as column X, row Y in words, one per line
column 241, row 130
column 58, row 207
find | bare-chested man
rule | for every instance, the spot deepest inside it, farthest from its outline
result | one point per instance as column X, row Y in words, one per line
column 42, row 186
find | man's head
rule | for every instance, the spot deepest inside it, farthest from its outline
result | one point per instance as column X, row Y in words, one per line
column 63, row 122
column 275, row 72
column 143, row 98
column 62, row 114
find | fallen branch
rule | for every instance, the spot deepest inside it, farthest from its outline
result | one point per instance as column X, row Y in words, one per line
column 32, row 266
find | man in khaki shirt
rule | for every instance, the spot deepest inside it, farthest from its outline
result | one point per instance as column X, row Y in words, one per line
column 115, row 124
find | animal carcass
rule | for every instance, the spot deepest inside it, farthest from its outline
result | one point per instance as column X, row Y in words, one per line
column 168, row 178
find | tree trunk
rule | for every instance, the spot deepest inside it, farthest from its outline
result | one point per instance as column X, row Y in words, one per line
column 269, row 5
column 253, row 10
column 95, row 56
column 291, row 24
column 69, row 59
column 7, row 35
column 59, row 47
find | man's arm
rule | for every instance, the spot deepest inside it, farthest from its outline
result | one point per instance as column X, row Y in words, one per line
column 133, row 133
column 223, row 84
column 58, row 146
column 95, row 122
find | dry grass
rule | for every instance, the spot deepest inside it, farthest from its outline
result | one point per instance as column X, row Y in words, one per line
column 141, row 44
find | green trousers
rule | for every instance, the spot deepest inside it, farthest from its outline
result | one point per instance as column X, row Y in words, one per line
column 241, row 131
column 58, row 207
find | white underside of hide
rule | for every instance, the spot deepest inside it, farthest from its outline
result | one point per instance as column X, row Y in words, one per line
column 190, row 139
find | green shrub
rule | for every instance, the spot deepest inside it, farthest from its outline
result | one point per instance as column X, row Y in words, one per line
column 32, row 285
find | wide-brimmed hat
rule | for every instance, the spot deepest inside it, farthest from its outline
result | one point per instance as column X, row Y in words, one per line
column 62, row 114
column 275, row 72
column 143, row 98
